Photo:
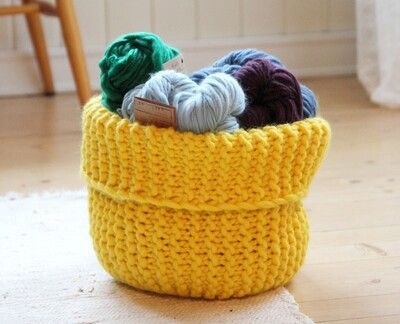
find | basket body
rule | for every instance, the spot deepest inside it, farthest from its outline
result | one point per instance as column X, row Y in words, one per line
column 209, row 215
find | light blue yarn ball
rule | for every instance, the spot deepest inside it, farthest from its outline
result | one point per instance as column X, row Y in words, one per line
column 211, row 105
column 233, row 61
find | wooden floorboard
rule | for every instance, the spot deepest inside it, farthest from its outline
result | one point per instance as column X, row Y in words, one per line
column 352, row 271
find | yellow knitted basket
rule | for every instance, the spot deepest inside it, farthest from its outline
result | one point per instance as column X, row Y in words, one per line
column 214, row 215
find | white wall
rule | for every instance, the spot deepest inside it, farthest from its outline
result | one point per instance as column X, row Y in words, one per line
column 312, row 37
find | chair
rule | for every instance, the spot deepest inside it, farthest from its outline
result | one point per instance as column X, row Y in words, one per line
column 64, row 10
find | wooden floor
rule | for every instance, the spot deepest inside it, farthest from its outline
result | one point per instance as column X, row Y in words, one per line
column 352, row 271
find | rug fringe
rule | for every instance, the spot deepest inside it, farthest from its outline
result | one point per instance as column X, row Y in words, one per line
column 12, row 195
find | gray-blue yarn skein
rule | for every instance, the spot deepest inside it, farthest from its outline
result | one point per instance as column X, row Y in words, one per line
column 210, row 106
column 310, row 102
column 233, row 61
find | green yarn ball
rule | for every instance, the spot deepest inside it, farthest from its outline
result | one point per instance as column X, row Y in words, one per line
column 128, row 62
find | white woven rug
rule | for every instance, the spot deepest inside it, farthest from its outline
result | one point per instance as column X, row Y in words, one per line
column 49, row 274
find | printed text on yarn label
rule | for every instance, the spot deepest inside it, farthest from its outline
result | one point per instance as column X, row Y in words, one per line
column 149, row 112
column 176, row 64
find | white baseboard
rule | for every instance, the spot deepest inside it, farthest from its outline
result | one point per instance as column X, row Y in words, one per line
column 306, row 55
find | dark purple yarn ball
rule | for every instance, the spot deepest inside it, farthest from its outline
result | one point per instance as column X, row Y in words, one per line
column 273, row 94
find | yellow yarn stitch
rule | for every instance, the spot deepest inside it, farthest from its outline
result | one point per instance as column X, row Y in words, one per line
column 210, row 215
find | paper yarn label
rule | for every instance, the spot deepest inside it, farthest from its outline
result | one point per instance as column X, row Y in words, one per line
column 148, row 112
column 176, row 64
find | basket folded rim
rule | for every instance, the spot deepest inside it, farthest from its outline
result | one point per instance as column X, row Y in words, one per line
column 255, row 169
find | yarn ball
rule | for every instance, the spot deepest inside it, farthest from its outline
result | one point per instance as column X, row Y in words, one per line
column 273, row 93
column 233, row 61
column 128, row 62
column 210, row 106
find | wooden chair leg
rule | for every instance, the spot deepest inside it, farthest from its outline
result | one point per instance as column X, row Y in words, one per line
column 73, row 42
column 39, row 44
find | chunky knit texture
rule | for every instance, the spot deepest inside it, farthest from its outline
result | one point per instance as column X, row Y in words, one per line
column 214, row 215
